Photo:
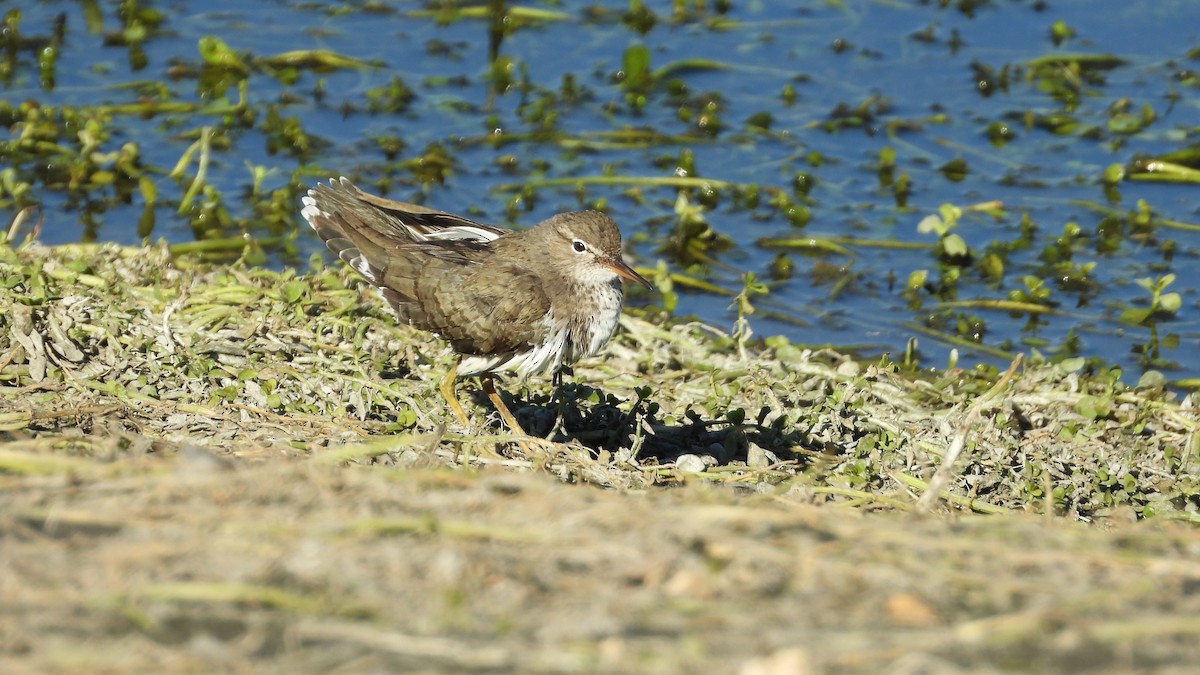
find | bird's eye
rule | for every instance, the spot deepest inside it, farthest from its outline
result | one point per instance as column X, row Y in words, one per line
column 579, row 246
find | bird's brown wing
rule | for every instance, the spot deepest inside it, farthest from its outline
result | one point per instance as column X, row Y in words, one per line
column 423, row 222
column 365, row 230
column 435, row 268
column 380, row 237
column 491, row 308
column 388, row 219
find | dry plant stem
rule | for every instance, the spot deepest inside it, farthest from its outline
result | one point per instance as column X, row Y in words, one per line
column 942, row 476
column 968, row 503
column 15, row 227
column 489, row 388
column 12, row 353
column 461, row 655
column 447, row 389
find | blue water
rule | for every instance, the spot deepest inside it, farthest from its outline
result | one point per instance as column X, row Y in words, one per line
column 769, row 46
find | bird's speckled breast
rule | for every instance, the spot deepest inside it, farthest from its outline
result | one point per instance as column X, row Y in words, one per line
column 590, row 330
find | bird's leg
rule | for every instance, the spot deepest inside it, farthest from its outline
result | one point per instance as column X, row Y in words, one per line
column 489, row 388
column 447, row 389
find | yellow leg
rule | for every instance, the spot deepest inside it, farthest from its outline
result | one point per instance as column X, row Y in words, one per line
column 489, row 388
column 447, row 389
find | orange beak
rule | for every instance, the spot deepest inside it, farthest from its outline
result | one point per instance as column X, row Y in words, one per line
column 627, row 272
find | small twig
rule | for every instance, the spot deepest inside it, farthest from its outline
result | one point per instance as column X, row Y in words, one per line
column 1048, row 488
column 860, row 495
column 15, row 227
column 958, row 500
column 8, row 358
column 74, row 412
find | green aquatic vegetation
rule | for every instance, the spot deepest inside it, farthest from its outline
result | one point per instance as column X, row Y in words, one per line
column 139, row 24
column 1077, row 278
column 744, row 307
column 286, row 135
column 639, row 17
column 818, row 245
column 1063, row 248
column 1000, row 133
column 517, row 15
column 218, row 56
column 951, row 248
column 1060, row 32
column 1034, row 296
column 1161, row 305
column 390, row 99
column 73, row 147
column 955, row 170
column 902, row 190
column 693, row 239
column 865, row 113
column 988, row 79
column 886, row 166
column 1147, row 169
column 1066, row 77
column 1123, row 121
column 797, row 215
column 639, row 81
column 1187, row 156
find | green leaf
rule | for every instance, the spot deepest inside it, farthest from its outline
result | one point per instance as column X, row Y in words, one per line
column 916, row 279
column 1072, row 364
column 950, row 214
column 1152, row 378
column 636, row 64
column 954, row 245
column 218, row 55
column 992, row 267
column 293, row 291
column 1093, row 407
column 929, row 224
column 1135, row 316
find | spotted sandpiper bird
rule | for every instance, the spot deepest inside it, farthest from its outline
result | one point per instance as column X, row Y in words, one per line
column 524, row 301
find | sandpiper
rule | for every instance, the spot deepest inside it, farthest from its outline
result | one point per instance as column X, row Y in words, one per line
column 523, row 301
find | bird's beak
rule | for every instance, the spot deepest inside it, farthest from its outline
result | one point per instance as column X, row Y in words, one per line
column 627, row 272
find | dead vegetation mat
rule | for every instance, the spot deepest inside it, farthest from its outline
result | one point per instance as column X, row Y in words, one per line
column 230, row 468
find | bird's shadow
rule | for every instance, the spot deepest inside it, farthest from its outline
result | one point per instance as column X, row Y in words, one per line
column 602, row 421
